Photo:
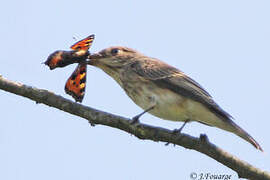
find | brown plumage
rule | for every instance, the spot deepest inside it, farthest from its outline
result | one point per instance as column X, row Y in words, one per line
column 150, row 82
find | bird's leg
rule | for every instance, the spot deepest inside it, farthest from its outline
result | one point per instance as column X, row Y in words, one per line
column 176, row 131
column 135, row 119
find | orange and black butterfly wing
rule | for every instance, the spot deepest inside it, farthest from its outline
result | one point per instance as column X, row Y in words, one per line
column 75, row 85
column 83, row 45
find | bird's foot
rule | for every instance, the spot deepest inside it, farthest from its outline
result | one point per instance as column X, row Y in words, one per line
column 178, row 131
column 174, row 132
column 135, row 120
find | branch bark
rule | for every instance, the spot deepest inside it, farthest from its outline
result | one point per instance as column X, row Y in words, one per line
column 142, row 131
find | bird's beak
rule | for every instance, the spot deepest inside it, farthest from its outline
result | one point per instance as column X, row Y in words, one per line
column 93, row 59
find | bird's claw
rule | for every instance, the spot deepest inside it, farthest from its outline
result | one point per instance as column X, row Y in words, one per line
column 135, row 120
column 175, row 131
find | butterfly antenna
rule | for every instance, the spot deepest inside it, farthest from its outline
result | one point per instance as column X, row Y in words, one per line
column 75, row 38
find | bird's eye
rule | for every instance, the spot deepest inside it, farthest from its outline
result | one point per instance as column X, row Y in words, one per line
column 114, row 51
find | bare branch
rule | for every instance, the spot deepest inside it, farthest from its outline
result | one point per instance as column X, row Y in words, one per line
column 142, row 131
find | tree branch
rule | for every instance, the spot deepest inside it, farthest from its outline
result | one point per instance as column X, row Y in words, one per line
column 142, row 131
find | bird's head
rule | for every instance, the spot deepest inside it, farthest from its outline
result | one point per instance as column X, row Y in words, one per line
column 113, row 57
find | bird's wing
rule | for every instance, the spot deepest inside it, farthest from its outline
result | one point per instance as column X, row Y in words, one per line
column 166, row 76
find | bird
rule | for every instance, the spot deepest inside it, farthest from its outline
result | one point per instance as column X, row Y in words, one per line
column 164, row 91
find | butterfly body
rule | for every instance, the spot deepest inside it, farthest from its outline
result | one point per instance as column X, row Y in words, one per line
column 63, row 58
column 76, row 83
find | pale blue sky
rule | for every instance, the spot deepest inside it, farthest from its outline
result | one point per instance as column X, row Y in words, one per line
column 223, row 45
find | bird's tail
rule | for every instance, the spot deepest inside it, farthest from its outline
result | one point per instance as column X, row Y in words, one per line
column 229, row 125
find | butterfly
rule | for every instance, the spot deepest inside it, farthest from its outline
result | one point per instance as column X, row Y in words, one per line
column 78, row 54
column 76, row 83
